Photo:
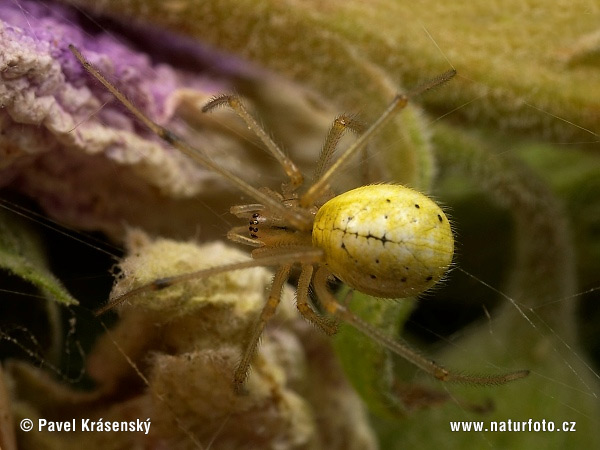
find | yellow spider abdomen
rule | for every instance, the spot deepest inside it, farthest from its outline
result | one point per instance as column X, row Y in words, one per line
column 385, row 240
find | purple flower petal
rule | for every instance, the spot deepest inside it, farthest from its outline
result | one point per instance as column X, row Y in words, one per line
column 67, row 142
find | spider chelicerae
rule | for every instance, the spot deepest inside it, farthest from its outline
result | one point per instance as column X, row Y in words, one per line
column 385, row 240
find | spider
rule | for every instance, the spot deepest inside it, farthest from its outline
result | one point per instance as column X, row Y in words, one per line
column 385, row 240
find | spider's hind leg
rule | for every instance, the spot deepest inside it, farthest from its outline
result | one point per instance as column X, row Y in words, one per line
column 327, row 324
column 399, row 347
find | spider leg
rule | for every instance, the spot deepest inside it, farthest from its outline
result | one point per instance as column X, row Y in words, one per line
column 399, row 102
column 241, row 372
column 402, row 349
column 297, row 217
column 338, row 128
column 326, row 324
column 302, row 255
column 235, row 103
column 321, row 185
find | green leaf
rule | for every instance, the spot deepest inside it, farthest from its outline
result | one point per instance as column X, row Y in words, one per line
column 22, row 254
